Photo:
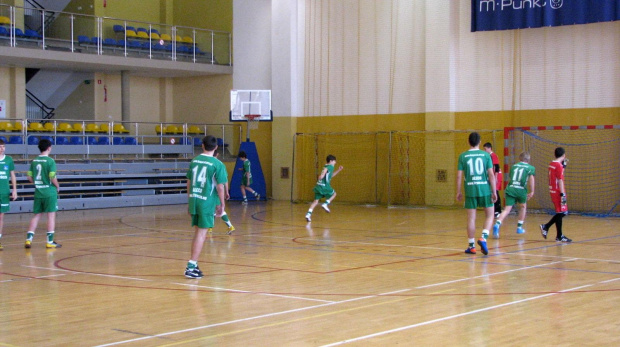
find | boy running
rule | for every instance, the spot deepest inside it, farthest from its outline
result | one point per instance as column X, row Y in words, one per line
column 7, row 169
column 323, row 189
column 558, row 195
column 225, row 218
column 477, row 167
column 43, row 174
column 521, row 175
column 205, row 186
column 246, row 181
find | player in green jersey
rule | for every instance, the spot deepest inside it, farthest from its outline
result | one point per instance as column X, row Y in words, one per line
column 206, row 177
column 7, row 171
column 521, row 175
column 224, row 217
column 323, row 188
column 477, row 168
column 246, row 180
column 42, row 173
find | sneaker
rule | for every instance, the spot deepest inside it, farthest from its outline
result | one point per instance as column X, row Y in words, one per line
column 483, row 246
column 52, row 244
column 496, row 231
column 520, row 230
column 230, row 229
column 543, row 231
column 470, row 250
column 325, row 207
column 28, row 244
column 563, row 239
column 193, row 273
column 308, row 217
column 257, row 197
column 244, row 202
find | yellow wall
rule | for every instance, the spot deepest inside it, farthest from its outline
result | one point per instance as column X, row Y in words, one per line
column 212, row 14
column 79, row 105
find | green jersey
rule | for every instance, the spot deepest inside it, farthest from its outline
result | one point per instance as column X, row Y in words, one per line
column 6, row 167
column 247, row 171
column 475, row 163
column 519, row 175
column 204, row 174
column 324, row 183
column 43, row 171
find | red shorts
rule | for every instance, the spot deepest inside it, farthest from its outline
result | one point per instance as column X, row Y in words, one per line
column 557, row 202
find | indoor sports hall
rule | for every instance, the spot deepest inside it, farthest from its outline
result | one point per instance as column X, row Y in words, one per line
column 126, row 92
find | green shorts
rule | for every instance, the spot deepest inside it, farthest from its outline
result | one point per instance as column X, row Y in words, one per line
column 323, row 192
column 478, row 201
column 44, row 205
column 244, row 181
column 202, row 212
column 511, row 198
column 4, row 203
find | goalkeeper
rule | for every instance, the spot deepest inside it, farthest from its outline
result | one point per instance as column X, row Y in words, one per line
column 558, row 195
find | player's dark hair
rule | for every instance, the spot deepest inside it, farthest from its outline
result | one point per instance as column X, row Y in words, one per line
column 474, row 139
column 488, row 145
column 559, row 152
column 330, row 158
column 2, row 142
column 209, row 142
column 242, row 155
column 44, row 145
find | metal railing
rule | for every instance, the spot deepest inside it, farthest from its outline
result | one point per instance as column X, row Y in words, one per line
column 79, row 33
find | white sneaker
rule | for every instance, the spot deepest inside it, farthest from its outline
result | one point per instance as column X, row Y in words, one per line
column 325, row 207
column 244, row 202
column 308, row 217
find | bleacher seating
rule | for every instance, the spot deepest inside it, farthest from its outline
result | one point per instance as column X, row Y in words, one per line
column 65, row 128
column 49, row 126
column 109, row 42
column 103, row 140
column 76, row 140
column 19, row 32
column 33, row 140
column 130, row 33
column 45, row 137
column 35, row 127
column 78, row 127
column 16, row 140
column 3, row 139
column 91, row 140
column 117, row 140
column 5, row 20
column 118, row 28
column 92, row 128
column 62, row 140
column 31, row 34
column 83, row 39
column 4, row 31
column 6, row 126
column 18, row 126
column 130, row 141
column 119, row 129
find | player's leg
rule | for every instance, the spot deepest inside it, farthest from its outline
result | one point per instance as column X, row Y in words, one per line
column 500, row 219
column 331, row 198
column 1, row 226
column 488, row 223
column 36, row 208
column 203, row 223
column 226, row 220
column 256, row 195
column 521, row 218
column 245, row 198
column 471, row 229
column 498, row 205
column 560, row 237
column 51, row 226
column 317, row 197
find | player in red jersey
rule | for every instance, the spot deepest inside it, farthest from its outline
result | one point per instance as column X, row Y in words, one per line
column 497, row 171
column 558, row 195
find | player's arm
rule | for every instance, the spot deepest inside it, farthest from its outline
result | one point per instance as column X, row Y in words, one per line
column 29, row 175
column 54, row 181
column 459, row 179
column 532, row 185
column 323, row 173
column 189, row 186
column 14, row 183
column 492, row 183
column 226, row 191
column 337, row 171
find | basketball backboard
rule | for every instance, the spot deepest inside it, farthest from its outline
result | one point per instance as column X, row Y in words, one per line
column 250, row 102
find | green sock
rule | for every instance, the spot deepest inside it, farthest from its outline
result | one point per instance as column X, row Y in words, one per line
column 29, row 235
column 498, row 222
column 226, row 220
column 50, row 236
column 485, row 234
column 192, row 264
column 519, row 224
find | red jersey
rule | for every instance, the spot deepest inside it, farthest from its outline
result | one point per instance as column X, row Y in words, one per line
column 498, row 174
column 556, row 172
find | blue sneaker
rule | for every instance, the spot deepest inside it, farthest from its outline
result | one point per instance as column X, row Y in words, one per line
column 496, row 231
column 483, row 246
column 470, row 250
column 520, row 230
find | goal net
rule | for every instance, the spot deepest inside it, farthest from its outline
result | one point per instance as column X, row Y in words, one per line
column 592, row 176
column 416, row 168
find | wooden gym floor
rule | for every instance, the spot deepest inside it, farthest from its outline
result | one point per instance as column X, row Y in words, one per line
column 360, row 276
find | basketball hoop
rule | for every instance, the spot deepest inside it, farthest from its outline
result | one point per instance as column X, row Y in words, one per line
column 253, row 120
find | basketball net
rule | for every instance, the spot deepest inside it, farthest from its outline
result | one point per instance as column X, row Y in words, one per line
column 253, row 120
